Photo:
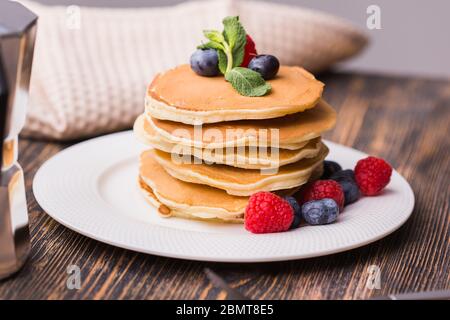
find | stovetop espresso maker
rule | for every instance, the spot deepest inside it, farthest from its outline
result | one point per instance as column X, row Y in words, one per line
column 17, row 37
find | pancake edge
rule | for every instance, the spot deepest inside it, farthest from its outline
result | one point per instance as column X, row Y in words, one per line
column 244, row 141
column 197, row 212
column 270, row 183
column 163, row 111
column 243, row 162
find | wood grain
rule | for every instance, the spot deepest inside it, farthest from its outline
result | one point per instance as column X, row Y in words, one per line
column 403, row 120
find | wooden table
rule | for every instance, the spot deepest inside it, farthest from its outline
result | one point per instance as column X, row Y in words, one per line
column 404, row 120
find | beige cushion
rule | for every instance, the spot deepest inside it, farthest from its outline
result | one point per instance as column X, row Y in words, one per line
column 91, row 80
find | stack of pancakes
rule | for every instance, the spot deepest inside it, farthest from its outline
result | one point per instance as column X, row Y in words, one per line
column 212, row 148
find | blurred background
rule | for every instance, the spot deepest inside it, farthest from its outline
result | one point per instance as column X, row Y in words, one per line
column 73, row 84
column 410, row 41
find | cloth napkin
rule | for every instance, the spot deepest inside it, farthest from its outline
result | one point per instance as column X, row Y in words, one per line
column 92, row 65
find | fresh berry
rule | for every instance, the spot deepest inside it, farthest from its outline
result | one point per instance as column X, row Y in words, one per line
column 372, row 175
column 346, row 178
column 329, row 168
column 205, row 62
column 266, row 212
column 249, row 52
column 296, row 222
column 266, row 65
column 321, row 189
column 319, row 212
column 351, row 191
column 297, row 211
column 347, row 174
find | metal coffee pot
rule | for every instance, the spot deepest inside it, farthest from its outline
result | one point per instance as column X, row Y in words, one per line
column 17, row 36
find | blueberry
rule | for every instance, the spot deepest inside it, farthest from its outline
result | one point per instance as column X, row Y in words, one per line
column 329, row 168
column 343, row 175
column 205, row 62
column 346, row 178
column 266, row 65
column 296, row 222
column 297, row 211
column 319, row 212
column 351, row 190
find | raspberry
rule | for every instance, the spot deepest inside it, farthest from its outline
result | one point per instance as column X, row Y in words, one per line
column 372, row 175
column 249, row 52
column 322, row 189
column 266, row 212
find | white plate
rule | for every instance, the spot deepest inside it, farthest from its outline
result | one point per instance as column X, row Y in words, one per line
column 91, row 188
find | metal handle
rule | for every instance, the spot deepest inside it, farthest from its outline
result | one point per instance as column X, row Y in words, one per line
column 3, row 107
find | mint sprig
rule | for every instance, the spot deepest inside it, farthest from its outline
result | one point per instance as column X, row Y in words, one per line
column 230, row 47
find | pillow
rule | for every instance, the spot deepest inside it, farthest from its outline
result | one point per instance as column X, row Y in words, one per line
column 92, row 65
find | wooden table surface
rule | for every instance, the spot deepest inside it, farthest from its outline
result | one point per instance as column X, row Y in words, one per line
column 404, row 120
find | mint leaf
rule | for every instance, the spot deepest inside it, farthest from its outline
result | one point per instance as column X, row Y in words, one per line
column 214, row 35
column 222, row 61
column 247, row 82
column 238, row 56
column 235, row 35
column 211, row 45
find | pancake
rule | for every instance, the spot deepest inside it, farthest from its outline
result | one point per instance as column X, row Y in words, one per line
column 165, row 212
column 173, row 197
column 236, row 158
column 187, row 199
column 241, row 182
column 293, row 130
column 181, row 95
